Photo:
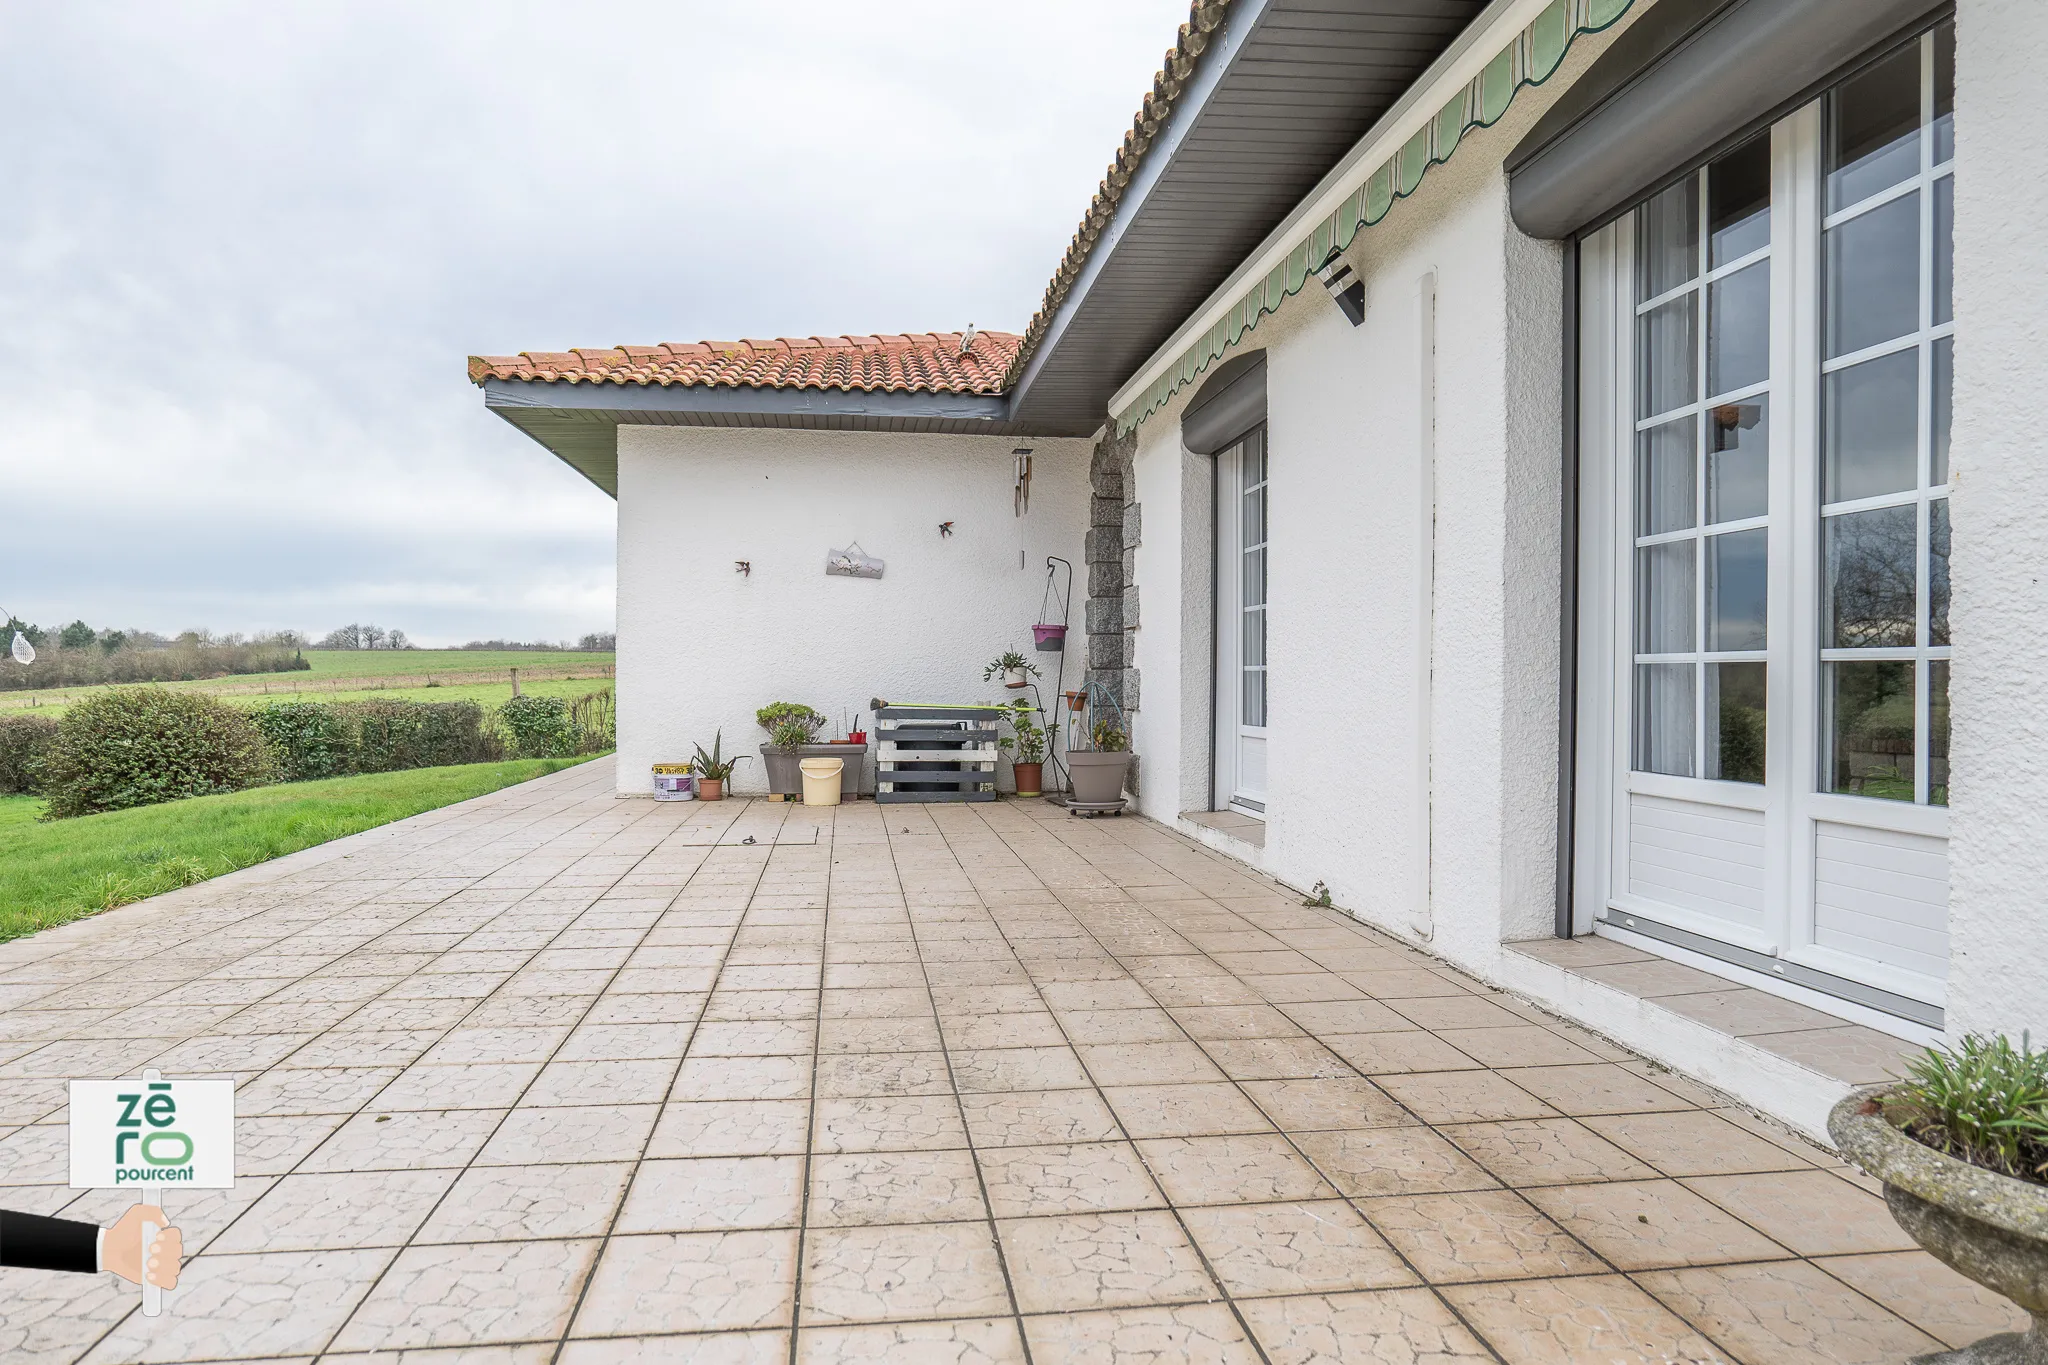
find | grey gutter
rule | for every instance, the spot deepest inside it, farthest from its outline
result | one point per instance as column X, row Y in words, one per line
column 652, row 398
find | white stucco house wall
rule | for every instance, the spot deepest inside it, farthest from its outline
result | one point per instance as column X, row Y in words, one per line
column 1532, row 522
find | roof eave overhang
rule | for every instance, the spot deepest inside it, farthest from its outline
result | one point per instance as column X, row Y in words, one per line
column 1229, row 40
column 579, row 422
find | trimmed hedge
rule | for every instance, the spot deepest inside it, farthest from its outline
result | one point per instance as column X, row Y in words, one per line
column 135, row 746
column 24, row 743
column 310, row 739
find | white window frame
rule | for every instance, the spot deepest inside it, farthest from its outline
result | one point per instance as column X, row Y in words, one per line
column 1791, row 799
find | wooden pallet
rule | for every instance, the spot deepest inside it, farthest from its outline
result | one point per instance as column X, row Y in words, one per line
column 935, row 753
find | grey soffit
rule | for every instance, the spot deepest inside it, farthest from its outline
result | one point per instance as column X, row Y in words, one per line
column 1284, row 91
column 580, row 422
column 1688, row 79
column 1229, row 404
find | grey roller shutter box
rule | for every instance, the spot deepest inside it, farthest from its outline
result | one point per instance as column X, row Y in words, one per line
column 1230, row 403
column 1679, row 83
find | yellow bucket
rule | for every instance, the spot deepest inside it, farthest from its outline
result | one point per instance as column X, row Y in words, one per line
column 821, row 780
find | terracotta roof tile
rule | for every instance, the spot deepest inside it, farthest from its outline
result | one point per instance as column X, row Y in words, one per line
column 925, row 362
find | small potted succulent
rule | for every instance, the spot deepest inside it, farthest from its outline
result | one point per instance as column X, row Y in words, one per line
column 792, row 727
column 1016, row 670
column 1961, row 1145
column 1026, row 745
column 1099, row 770
column 713, row 769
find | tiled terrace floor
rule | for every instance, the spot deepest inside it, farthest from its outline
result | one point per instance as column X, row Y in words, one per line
column 567, row 1077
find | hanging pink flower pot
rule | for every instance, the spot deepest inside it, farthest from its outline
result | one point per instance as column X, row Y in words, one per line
column 1051, row 639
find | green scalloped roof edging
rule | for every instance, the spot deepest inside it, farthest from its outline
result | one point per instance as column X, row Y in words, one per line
column 1531, row 58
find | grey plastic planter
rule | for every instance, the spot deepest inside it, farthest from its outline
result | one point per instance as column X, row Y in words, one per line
column 784, row 777
column 1988, row 1226
column 1098, row 778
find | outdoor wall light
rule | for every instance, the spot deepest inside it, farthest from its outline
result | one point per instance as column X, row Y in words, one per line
column 1344, row 286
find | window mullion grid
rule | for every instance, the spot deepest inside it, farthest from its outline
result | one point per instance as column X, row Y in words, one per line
column 1922, row 547
column 1699, row 474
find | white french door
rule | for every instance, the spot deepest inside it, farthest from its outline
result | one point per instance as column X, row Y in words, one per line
column 1241, row 522
column 1766, row 367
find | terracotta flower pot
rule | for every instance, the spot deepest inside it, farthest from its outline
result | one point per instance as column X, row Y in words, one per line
column 1988, row 1226
column 1029, row 777
column 711, row 789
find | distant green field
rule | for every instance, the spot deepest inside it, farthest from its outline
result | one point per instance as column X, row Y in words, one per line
column 68, row 869
column 460, row 675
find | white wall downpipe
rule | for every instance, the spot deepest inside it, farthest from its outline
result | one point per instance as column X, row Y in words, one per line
column 1421, row 914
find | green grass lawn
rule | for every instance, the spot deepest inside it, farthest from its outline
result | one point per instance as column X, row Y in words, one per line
column 458, row 670
column 67, row 869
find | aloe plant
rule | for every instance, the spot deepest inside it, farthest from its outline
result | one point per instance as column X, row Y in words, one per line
column 715, row 766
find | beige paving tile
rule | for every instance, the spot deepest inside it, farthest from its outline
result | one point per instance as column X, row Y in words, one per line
column 407, row 1140
column 1652, row 1224
column 894, row 1187
column 1354, row 1014
column 705, row 1193
column 1519, row 1045
column 1294, row 1247
column 1463, row 1096
column 1326, row 1103
column 1787, row 1313
column 731, row 1128
column 1525, row 1152
column 603, row 1042
column 922, row 1270
column 1272, row 1059
column 855, row 1075
column 889, row 1123
column 1375, row 1161
column 1860, row 1056
column 1929, row 1295
column 470, row 1085
column 1812, row 1212
column 1168, row 1063
column 691, row 1282
column 1149, row 1111
column 328, row 1212
column 1202, row 1334
column 695, row 1348
column 1067, row 1178
column 1100, row 1260
column 742, row 1078
column 1002, row 1070
column 511, row 1203
column 471, row 1295
column 1236, row 1169
column 1392, row 1327
column 1384, row 1054
column 1477, row 1235
column 603, row 1082
column 1594, row 1088
column 596, row 1132
column 1693, row 1143
column 1038, row 1118
column 984, row 1341
column 1652, row 978
column 1567, row 1322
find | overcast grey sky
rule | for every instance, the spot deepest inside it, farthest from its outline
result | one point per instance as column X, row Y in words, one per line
column 244, row 249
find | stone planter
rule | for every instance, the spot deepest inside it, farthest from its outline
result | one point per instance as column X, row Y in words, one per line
column 1098, row 778
column 1989, row 1227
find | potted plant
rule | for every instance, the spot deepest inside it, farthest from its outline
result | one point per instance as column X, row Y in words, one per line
column 1049, row 638
column 1026, row 745
column 1015, row 668
column 714, row 768
column 1098, row 772
column 791, row 726
column 1961, row 1145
